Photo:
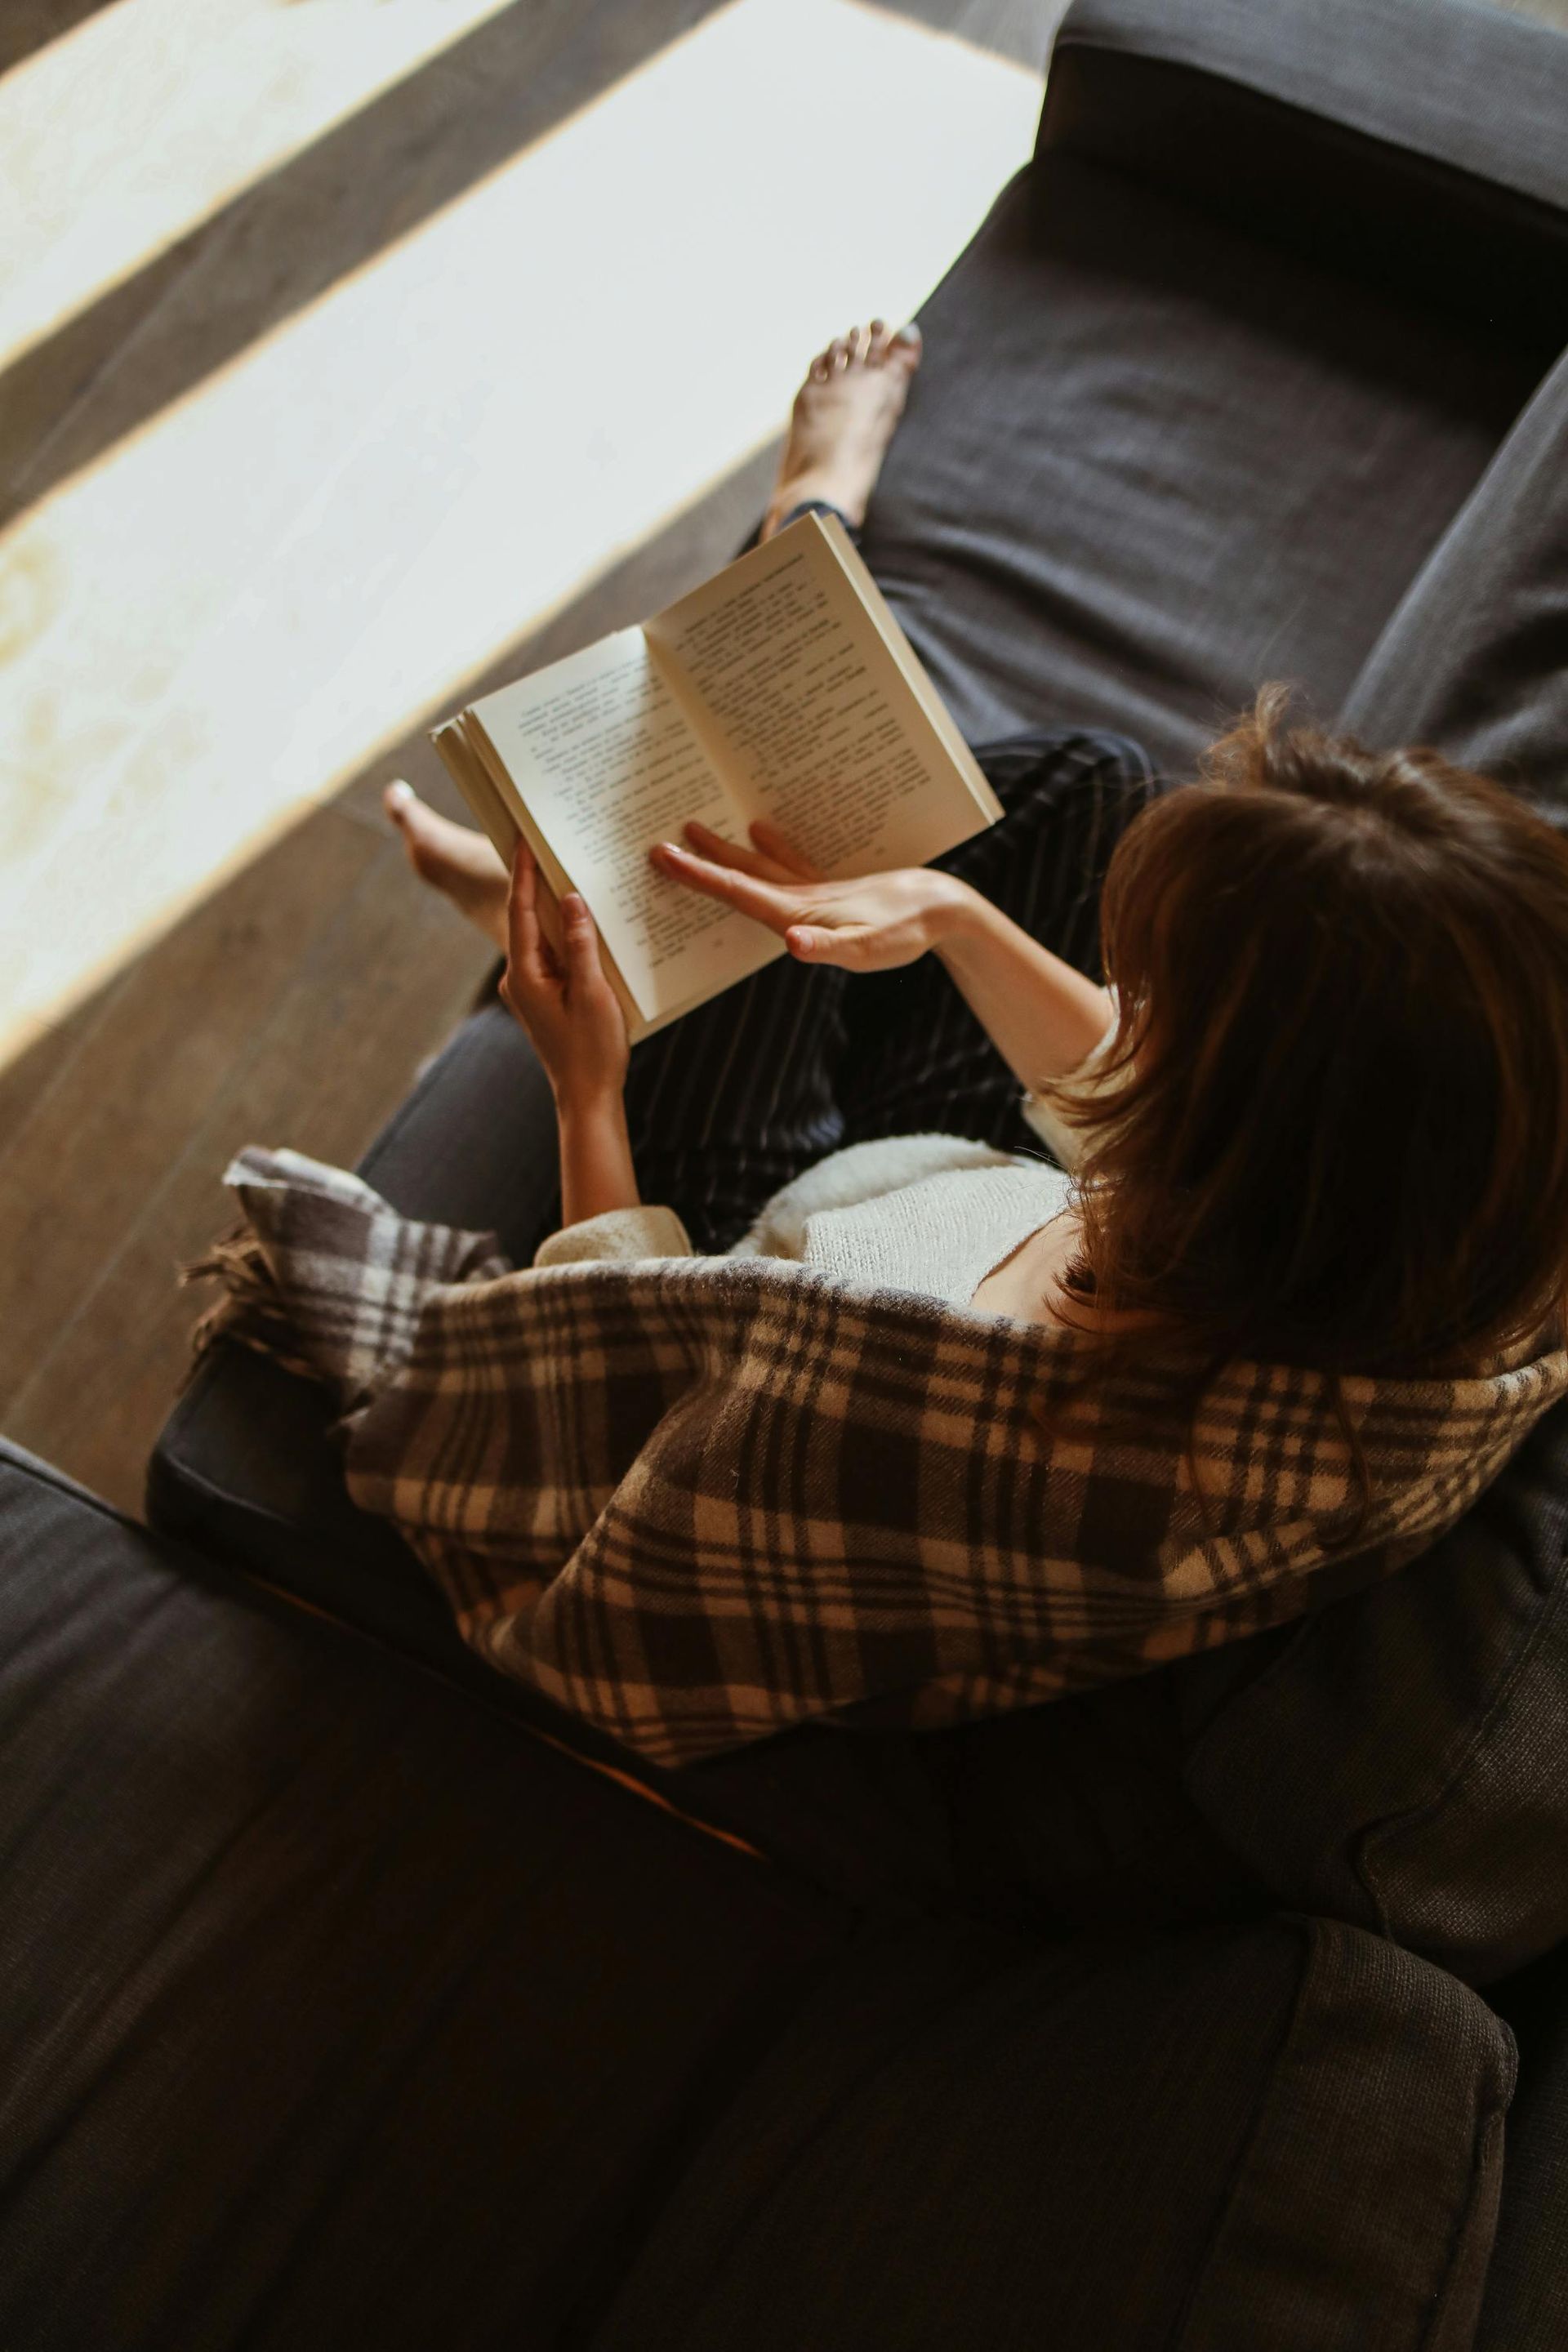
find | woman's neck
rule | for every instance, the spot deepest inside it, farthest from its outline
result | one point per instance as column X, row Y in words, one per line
column 1032, row 1285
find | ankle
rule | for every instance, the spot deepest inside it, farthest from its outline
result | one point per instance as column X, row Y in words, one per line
column 816, row 487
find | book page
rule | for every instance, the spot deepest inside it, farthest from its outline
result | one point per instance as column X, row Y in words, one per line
column 809, row 714
column 606, row 763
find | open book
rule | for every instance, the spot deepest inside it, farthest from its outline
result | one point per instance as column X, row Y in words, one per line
column 781, row 689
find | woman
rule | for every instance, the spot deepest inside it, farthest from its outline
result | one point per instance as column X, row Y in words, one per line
column 952, row 1428
column 1338, row 1128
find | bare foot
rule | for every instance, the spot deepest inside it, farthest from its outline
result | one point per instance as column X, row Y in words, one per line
column 844, row 417
column 452, row 858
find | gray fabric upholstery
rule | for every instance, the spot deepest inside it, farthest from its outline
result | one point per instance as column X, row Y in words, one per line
column 1460, row 84
column 338, row 2012
column 1403, row 1760
column 1391, row 210
column 1210, row 383
column 1150, row 461
column 1526, row 2305
column 1475, row 658
column 1104, row 2145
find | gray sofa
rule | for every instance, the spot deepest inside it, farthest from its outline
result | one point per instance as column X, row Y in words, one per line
column 354, row 1998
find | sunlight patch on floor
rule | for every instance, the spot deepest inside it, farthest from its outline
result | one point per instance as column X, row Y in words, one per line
column 236, row 607
column 124, row 135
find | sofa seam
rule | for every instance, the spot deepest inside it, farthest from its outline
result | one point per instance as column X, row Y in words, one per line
column 1304, row 1929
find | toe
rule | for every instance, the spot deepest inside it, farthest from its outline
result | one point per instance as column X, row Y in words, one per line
column 876, row 344
column 907, row 344
column 398, row 800
column 837, row 356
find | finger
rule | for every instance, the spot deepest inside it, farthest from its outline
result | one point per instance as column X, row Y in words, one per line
column 720, row 850
column 810, row 943
column 522, row 934
column 585, row 972
column 765, row 901
column 779, row 850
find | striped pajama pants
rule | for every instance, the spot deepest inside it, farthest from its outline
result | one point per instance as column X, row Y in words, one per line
column 734, row 1099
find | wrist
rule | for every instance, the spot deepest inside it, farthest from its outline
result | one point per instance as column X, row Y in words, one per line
column 958, row 916
column 583, row 1103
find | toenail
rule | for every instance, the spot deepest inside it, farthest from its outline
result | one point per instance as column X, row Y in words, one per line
column 399, row 794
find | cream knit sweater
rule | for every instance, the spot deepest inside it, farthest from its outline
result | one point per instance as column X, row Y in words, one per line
column 932, row 1214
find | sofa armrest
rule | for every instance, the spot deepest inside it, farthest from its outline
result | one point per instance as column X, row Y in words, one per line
column 1472, row 658
column 336, row 2013
column 1420, row 146
column 1287, row 2136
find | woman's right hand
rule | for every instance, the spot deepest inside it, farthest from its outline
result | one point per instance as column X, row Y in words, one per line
column 869, row 925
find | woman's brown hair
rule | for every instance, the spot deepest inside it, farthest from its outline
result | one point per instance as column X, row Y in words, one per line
column 1340, row 1137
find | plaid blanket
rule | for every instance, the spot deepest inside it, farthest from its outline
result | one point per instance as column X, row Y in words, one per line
column 698, row 1500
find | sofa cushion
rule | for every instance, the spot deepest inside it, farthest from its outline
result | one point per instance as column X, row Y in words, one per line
column 1401, row 1758
column 1150, row 460
column 1418, row 146
column 1287, row 2136
column 1527, row 2281
column 1475, row 658
column 1467, row 87
column 339, row 2014
column 338, row 2010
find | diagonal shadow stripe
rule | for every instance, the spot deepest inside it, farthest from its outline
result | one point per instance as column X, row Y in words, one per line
column 289, row 238
column 285, row 240
column 1020, row 29
column 29, row 25
column 677, row 557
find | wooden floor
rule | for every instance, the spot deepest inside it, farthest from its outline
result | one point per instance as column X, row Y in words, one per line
column 273, row 1012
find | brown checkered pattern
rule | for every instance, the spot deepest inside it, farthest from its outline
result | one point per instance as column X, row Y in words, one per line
column 698, row 1500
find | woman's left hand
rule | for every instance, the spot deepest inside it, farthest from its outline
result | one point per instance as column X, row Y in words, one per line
column 872, row 924
column 564, row 1003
